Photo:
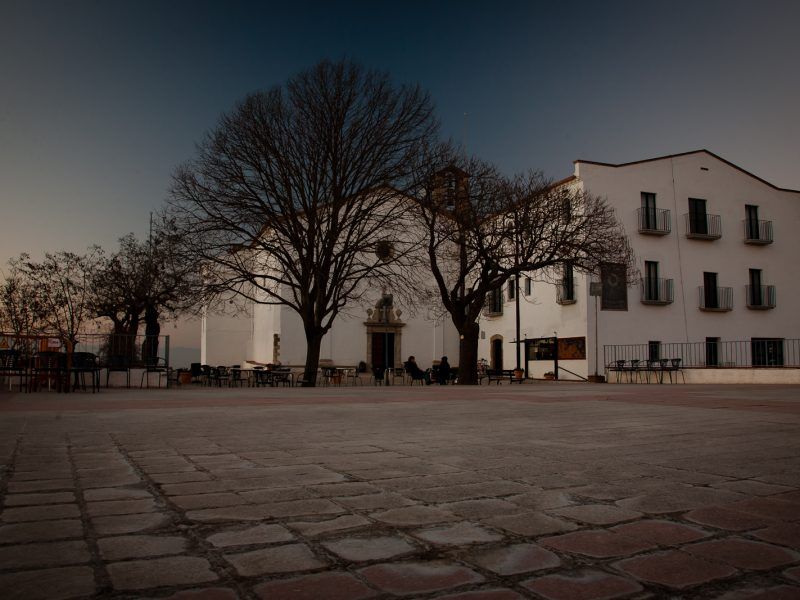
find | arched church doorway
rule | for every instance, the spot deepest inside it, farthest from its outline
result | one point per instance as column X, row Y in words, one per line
column 497, row 353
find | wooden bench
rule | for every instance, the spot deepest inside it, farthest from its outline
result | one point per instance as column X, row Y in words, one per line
column 501, row 375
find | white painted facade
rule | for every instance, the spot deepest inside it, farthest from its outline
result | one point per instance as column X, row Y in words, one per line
column 673, row 179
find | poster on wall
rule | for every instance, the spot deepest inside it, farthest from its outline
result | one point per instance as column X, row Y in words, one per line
column 572, row 348
column 614, row 294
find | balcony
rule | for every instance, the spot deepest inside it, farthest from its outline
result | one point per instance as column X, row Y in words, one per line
column 654, row 221
column 565, row 292
column 760, row 297
column 716, row 299
column 703, row 227
column 657, row 291
column 758, row 233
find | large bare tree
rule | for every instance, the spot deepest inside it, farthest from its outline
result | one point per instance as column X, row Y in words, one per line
column 483, row 229
column 293, row 198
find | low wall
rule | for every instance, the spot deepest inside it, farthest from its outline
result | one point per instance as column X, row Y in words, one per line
column 744, row 375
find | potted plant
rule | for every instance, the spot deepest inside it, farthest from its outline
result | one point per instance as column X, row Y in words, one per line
column 519, row 373
column 549, row 375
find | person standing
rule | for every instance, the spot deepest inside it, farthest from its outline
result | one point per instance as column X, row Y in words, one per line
column 444, row 371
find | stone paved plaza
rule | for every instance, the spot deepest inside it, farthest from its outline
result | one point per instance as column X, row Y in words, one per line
column 548, row 490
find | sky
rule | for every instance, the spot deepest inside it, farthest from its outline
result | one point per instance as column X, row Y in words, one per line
column 101, row 100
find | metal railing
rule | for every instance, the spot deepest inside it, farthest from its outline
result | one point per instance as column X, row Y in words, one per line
column 654, row 221
column 657, row 291
column 565, row 291
column 712, row 354
column 703, row 227
column 716, row 298
column 760, row 296
column 757, row 231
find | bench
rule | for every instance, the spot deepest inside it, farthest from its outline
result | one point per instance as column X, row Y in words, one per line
column 499, row 375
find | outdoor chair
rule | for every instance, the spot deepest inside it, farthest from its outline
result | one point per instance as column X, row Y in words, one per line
column 13, row 365
column 618, row 367
column 675, row 367
column 196, row 370
column 351, row 375
column 236, row 376
column 378, row 375
column 416, row 377
column 398, row 373
column 118, row 363
column 156, row 365
column 282, row 376
column 51, row 367
column 207, row 374
column 84, row 363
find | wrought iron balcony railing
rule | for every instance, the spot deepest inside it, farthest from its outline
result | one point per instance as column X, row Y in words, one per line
column 565, row 292
column 703, row 227
column 757, row 231
column 760, row 297
column 718, row 299
column 657, row 291
column 654, row 221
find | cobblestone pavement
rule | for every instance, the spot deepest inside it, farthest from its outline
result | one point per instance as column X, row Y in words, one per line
column 552, row 491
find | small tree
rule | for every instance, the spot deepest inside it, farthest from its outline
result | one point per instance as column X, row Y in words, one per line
column 483, row 229
column 293, row 198
column 61, row 286
column 20, row 312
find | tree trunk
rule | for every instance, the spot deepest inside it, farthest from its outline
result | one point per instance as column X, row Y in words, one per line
column 152, row 329
column 468, row 354
column 313, row 345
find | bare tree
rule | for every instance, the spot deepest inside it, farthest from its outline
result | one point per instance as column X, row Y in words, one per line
column 20, row 312
column 293, row 199
column 483, row 229
column 61, row 285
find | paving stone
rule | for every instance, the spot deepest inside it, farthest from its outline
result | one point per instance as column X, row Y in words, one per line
column 21, row 487
column 280, row 494
column 40, row 513
column 157, row 572
column 375, row 501
column 120, row 507
column 260, row 534
column 663, row 533
column 457, row 535
column 418, row 578
column 120, row 524
column 207, row 500
column 743, row 554
column 793, row 573
column 139, row 546
column 752, row 488
column 681, row 499
column 413, row 515
column 197, row 487
column 315, row 528
column 542, row 499
column 514, row 559
column 359, row 549
column 597, row 514
column 212, row 593
column 483, row 508
column 488, row 594
column 117, row 493
column 245, row 512
column 44, row 554
column 489, row 489
column 278, row 559
column 725, row 518
column 771, row 508
column 40, row 531
column 597, row 543
column 346, row 488
column 38, row 499
column 48, row 584
column 332, row 585
column 311, row 506
column 183, row 477
column 531, row 524
column 778, row 592
column 674, row 569
column 785, row 534
column 582, row 585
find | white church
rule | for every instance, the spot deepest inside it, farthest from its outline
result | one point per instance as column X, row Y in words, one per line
column 716, row 248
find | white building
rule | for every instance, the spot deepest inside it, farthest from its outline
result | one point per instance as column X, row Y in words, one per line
column 717, row 250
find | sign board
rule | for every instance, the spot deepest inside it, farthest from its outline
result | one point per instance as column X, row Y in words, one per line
column 53, row 343
column 3, row 343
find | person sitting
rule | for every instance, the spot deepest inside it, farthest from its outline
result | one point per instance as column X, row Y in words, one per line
column 412, row 368
column 443, row 372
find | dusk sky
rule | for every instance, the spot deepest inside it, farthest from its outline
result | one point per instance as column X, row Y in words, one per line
column 99, row 101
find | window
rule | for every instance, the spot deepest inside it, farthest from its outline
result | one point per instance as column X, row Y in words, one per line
column 653, row 350
column 614, row 278
column 712, row 351
column 494, row 302
column 566, row 210
column 648, row 211
column 528, row 286
column 565, row 290
column 767, row 352
column 512, row 288
column 710, row 290
column 698, row 221
column 651, row 281
column 751, row 221
column 755, row 296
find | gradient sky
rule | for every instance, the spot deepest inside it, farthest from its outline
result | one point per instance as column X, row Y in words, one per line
column 99, row 101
